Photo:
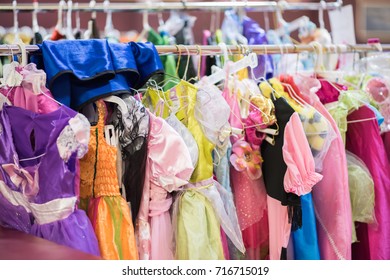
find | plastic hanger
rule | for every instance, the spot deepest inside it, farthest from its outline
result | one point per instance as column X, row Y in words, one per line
column 35, row 25
column 16, row 22
column 247, row 61
column 321, row 14
column 145, row 23
column 232, row 28
column 4, row 99
column 289, row 27
column 59, row 25
column 69, row 30
column 92, row 5
column 23, row 51
column 78, row 25
column 117, row 100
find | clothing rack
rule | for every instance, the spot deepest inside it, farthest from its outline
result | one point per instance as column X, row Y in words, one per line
column 183, row 5
column 233, row 49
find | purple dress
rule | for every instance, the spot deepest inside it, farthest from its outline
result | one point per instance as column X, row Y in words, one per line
column 257, row 36
column 364, row 140
column 38, row 155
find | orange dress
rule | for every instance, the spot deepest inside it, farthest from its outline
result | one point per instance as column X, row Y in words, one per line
column 101, row 199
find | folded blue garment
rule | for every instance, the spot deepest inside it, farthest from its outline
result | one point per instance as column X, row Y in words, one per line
column 82, row 71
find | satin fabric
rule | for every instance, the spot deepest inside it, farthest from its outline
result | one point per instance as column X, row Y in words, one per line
column 204, row 206
column 31, row 94
column 165, row 175
column 49, row 218
column 386, row 142
column 331, row 197
column 100, row 196
column 374, row 242
column 305, row 239
column 76, row 79
column 319, row 137
column 257, row 36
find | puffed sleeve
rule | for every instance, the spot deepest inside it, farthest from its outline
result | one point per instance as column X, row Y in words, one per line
column 74, row 138
column 171, row 165
column 300, row 176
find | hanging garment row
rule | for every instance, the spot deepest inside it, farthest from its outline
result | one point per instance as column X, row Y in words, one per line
column 198, row 156
column 64, row 27
column 241, row 171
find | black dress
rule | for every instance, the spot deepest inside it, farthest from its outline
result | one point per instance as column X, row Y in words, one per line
column 274, row 167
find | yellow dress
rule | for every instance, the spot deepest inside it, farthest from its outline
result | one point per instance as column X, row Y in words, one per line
column 198, row 234
column 100, row 197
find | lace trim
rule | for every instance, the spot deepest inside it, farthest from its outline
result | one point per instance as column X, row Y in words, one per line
column 74, row 138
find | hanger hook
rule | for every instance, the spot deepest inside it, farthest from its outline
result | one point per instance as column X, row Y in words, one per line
column 199, row 52
column 188, row 61
column 178, row 59
column 11, row 51
column 321, row 14
column 16, row 22
column 92, row 5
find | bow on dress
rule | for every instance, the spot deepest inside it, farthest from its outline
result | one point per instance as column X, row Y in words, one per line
column 21, row 178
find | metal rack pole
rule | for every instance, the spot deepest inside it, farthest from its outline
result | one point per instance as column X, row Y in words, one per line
column 161, row 6
column 215, row 50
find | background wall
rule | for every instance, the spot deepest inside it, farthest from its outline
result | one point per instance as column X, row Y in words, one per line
column 126, row 21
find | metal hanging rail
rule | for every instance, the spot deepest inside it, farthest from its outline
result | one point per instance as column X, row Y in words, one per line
column 215, row 50
column 183, row 5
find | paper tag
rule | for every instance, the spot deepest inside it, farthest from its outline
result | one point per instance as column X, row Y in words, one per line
column 343, row 25
column 343, row 31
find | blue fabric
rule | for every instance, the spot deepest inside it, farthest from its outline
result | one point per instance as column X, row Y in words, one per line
column 305, row 239
column 222, row 167
column 82, row 71
column 378, row 114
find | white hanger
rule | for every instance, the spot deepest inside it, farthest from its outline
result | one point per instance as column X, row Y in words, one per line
column 145, row 22
column 109, row 26
column 23, row 51
column 249, row 60
column 69, row 30
column 61, row 5
column 287, row 28
column 117, row 100
column 35, row 25
column 76, row 5
column 321, row 14
column 16, row 22
column 92, row 5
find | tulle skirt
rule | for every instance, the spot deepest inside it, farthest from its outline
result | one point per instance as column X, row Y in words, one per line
column 111, row 221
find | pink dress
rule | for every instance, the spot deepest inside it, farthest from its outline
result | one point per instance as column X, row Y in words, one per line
column 30, row 93
column 331, row 195
column 249, row 194
column 165, row 173
column 386, row 142
column 363, row 140
column 299, row 179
